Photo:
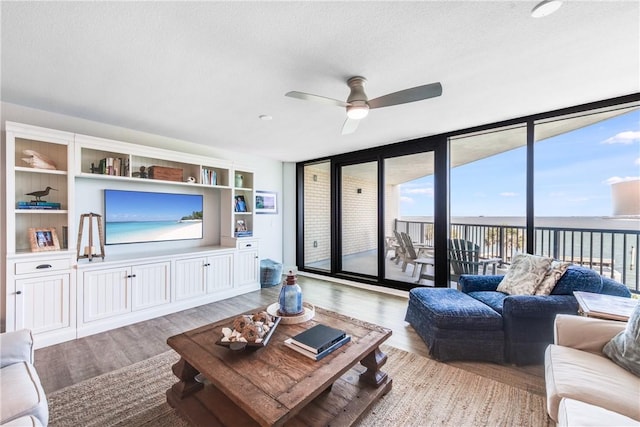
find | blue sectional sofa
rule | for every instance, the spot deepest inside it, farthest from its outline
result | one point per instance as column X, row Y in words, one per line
column 455, row 327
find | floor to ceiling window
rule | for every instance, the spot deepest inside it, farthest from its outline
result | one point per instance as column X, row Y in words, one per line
column 359, row 218
column 317, row 216
column 488, row 178
column 523, row 185
column 587, row 190
column 408, row 213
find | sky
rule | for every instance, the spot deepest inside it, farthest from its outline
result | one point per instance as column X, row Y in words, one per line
column 573, row 174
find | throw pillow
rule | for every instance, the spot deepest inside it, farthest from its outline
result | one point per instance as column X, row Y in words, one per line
column 554, row 274
column 524, row 275
column 624, row 348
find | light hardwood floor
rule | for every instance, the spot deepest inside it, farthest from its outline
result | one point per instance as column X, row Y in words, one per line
column 71, row 362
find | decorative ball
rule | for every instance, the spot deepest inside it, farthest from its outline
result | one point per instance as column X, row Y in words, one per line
column 240, row 323
column 263, row 317
column 250, row 332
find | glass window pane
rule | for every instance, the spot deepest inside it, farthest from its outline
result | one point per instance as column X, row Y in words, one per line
column 317, row 216
column 409, row 210
column 360, row 218
column 488, row 200
column 587, row 190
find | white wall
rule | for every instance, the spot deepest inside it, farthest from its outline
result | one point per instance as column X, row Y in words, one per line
column 269, row 174
column 289, row 217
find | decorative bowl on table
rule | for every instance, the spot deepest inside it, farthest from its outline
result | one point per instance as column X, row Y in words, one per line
column 248, row 331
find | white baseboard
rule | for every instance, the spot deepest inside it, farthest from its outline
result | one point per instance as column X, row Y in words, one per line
column 380, row 289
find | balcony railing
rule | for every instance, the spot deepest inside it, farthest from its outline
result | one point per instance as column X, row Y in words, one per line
column 612, row 253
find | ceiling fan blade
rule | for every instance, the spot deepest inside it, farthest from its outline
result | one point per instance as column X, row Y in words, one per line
column 349, row 126
column 316, row 98
column 417, row 93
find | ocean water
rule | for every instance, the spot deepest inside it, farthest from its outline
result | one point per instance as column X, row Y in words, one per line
column 151, row 231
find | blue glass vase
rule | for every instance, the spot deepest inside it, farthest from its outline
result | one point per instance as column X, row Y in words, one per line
column 290, row 299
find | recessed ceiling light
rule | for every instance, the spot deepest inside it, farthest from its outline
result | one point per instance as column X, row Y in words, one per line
column 265, row 117
column 546, row 7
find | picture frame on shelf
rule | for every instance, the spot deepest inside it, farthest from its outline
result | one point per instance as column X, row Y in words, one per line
column 241, row 229
column 241, row 225
column 240, row 203
column 43, row 239
column 266, row 202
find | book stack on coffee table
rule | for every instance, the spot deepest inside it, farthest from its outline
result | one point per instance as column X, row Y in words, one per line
column 318, row 341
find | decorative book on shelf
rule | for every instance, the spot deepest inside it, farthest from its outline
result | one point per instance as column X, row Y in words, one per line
column 318, row 338
column 115, row 166
column 209, row 177
column 317, row 356
column 38, row 205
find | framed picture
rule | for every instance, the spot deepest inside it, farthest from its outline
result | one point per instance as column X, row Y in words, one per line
column 266, row 202
column 239, row 203
column 43, row 239
column 241, row 225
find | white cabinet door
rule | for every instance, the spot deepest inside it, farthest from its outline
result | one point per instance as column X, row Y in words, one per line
column 106, row 293
column 219, row 272
column 42, row 303
column 190, row 278
column 150, row 285
column 247, row 267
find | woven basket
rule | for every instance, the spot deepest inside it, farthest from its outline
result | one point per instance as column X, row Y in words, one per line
column 270, row 273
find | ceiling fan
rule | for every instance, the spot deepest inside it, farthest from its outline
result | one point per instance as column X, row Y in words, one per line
column 358, row 104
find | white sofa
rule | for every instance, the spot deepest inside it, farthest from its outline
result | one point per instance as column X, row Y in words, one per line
column 23, row 401
column 584, row 387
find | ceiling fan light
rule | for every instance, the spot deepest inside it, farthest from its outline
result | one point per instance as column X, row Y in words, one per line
column 545, row 8
column 357, row 111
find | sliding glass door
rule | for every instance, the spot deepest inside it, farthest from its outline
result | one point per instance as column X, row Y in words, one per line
column 317, row 216
column 409, row 218
column 359, row 218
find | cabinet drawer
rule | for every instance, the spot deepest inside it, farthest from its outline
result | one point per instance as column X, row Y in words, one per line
column 42, row 266
column 247, row 244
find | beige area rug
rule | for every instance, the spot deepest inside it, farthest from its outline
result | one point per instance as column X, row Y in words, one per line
column 425, row 393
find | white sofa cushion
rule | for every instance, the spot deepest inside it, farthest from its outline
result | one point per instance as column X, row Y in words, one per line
column 28, row 421
column 22, row 394
column 525, row 274
column 573, row 413
column 589, row 378
column 624, row 348
column 16, row 347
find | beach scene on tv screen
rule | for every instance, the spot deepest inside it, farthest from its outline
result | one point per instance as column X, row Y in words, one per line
column 135, row 217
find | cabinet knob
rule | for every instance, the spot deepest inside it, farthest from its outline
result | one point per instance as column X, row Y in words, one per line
column 18, row 292
column 131, row 275
column 207, row 264
column 41, row 266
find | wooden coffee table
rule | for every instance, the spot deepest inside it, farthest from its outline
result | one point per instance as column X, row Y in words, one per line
column 275, row 385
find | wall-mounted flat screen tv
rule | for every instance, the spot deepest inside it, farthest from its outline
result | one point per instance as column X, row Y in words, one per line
column 140, row 216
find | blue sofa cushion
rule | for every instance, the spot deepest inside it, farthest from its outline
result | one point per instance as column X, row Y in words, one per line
column 578, row 278
column 612, row 287
column 452, row 309
column 493, row 299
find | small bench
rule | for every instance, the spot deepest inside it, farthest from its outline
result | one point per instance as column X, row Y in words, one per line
column 456, row 326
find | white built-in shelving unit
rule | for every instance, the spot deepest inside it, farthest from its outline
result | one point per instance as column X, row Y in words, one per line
column 62, row 298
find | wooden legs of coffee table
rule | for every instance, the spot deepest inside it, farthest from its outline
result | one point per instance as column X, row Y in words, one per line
column 187, row 384
column 373, row 362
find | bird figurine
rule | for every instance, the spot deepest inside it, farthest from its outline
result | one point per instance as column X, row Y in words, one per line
column 39, row 194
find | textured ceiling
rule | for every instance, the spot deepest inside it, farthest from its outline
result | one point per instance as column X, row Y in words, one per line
column 204, row 71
